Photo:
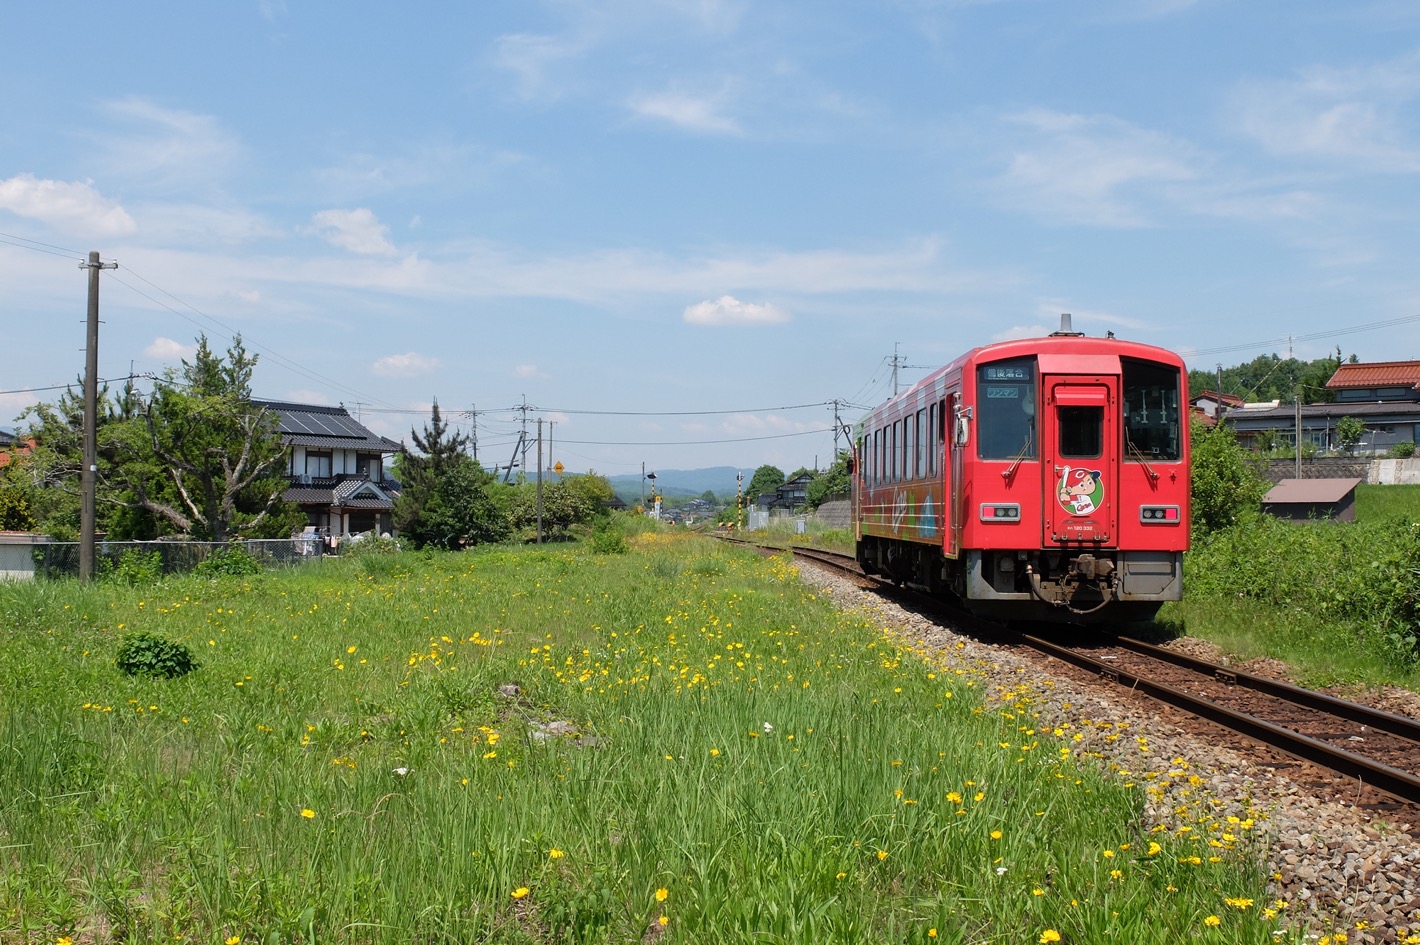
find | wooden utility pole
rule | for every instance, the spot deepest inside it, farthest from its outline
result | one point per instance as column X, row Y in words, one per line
column 88, row 475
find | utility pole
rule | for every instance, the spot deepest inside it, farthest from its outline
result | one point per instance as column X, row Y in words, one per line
column 539, row 480
column 896, row 360
column 473, row 415
column 88, row 476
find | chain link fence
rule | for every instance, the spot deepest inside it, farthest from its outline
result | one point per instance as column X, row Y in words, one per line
column 61, row 558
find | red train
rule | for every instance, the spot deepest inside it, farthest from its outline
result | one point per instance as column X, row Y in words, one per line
column 1045, row 478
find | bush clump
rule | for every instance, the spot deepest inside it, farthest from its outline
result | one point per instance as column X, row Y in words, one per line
column 227, row 561
column 608, row 539
column 148, row 654
column 138, row 568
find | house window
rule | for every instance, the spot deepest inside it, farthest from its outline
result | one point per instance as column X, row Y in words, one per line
column 317, row 465
column 370, row 467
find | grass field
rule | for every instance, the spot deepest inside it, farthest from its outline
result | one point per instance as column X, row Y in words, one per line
column 699, row 749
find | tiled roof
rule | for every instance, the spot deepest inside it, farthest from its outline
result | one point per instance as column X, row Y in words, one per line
column 324, row 427
column 1377, row 374
column 368, row 502
column 1400, row 410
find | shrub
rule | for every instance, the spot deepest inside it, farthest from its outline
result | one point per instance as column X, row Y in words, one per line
column 608, row 539
column 149, row 654
column 136, row 568
column 227, row 561
column 1401, row 451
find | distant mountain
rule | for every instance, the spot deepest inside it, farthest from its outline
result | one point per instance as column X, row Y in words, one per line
column 687, row 483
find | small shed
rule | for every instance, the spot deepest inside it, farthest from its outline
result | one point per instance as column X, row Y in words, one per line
column 1305, row 499
column 17, row 560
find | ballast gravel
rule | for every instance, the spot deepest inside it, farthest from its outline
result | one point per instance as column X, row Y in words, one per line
column 1345, row 874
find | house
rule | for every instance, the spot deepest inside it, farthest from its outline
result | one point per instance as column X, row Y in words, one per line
column 1302, row 500
column 1210, row 404
column 338, row 469
column 11, row 446
column 1384, row 396
column 792, row 495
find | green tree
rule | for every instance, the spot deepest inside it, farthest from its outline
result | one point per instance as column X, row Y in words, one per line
column 1226, row 486
column 1349, row 431
column 835, row 481
column 197, row 455
column 446, row 500
column 765, row 479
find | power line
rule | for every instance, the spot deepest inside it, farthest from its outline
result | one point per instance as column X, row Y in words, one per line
column 102, row 380
column 743, row 439
column 1316, row 336
column 682, row 413
column 35, row 246
column 231, row 332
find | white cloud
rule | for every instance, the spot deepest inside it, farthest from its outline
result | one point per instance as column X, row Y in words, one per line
column 404, row 365
column 532, row 58
column 168, row 147
column 12, row 405
column 527, row 372
column 358, row 230
column 70, row 206
column 244, row 296
column 1354, row 116
column 1092, row 169
column 166, row 349
column 728, row 310
column 307, row 396
column 703, row 114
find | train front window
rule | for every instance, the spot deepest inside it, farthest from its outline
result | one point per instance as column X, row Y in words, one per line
column 1152, row 417
column 1081, row 432
column 1005, row 409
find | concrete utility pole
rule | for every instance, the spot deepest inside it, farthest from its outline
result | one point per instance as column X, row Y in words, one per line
column 88, row 475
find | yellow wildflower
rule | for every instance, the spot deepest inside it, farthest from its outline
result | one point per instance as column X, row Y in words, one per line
column 1212, row 921
column 520, row 892
column 1048, row 936
column 661, row 894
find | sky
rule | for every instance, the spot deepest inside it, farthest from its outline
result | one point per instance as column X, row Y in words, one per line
column 686, row 233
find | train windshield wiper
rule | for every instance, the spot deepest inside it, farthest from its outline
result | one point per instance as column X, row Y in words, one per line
column 1138, row 454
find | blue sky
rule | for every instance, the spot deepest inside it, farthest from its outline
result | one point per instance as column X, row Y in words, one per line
column 679, row 228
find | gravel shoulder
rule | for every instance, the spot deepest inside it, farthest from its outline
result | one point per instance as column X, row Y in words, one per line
column 1341, row 873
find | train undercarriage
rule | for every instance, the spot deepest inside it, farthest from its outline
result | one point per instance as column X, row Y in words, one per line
column 1069, row 583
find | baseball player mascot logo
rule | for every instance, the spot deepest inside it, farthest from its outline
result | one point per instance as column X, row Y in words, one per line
column 1081, row 490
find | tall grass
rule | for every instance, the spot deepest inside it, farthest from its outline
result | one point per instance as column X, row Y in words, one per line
column 1340, row 601
column 680, row 743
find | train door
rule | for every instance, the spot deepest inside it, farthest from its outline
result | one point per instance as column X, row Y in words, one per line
column 1080, row 452
column 949, row 460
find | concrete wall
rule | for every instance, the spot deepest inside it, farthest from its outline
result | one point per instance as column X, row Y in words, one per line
column 1394, row 472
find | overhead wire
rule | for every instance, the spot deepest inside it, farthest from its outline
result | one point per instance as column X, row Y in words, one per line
column 279, row 358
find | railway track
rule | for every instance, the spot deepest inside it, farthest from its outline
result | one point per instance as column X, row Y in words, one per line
column 1365, row 746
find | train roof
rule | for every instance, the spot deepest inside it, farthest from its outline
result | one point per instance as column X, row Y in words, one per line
column 1060, row 343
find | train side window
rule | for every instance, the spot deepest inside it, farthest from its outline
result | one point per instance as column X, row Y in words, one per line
column 921, row 462
column 1153, row 418
column 896, row 451
column 1081, row 432
column 934, row 423
column 909, row 447
column 1005, row 409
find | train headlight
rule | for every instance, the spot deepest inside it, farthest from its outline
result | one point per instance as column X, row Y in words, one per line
column 1159, row 514
column 1005, row 513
